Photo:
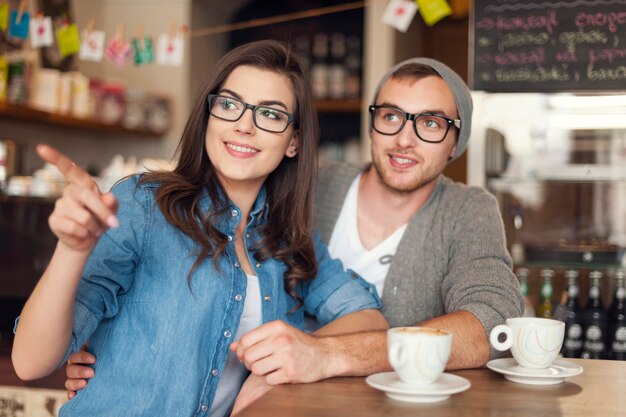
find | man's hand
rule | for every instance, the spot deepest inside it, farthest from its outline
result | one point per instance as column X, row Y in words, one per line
column 78, row 371
column 281, row 353
column 251, row 390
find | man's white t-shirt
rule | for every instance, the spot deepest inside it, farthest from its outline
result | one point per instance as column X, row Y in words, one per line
column 345, row 243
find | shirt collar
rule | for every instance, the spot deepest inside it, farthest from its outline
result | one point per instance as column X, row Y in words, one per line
column 260, row 208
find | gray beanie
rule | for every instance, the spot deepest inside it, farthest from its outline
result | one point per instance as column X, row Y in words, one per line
column 461, row 92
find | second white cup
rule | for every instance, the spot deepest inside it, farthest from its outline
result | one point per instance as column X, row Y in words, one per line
column 418, row 354
column 534, row 342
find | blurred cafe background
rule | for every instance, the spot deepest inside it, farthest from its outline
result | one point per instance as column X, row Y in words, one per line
column 111, row 82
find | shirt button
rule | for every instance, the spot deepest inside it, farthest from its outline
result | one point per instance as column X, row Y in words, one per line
column 204, row 408
column 215, row 372
column 268, row 298
column 238, row 297
column 248, row 235
column 258, row 264
column 236, row 264
column 234, row 213
column 230, row 238
column 227, row 334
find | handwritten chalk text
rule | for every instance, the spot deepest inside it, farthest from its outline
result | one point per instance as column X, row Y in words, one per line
column 611, row 20
column 532, row 75
column 547, row 22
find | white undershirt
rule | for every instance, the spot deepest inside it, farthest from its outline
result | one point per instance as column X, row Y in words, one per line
column 235, row 372
column 346, row 245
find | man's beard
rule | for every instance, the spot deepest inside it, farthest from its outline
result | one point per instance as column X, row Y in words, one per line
column 419, row 179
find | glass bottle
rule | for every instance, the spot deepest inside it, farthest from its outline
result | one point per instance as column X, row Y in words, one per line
column 319, row 66
column 522, row 276
column 595, row 319
column 573, row 342
column 617, row 320
column 545, row 305
column 353, row 67
column 337, row 69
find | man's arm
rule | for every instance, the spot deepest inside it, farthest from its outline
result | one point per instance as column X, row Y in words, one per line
column 470, row 345
column 298, row 357
column 282, row 353
column 365, row 353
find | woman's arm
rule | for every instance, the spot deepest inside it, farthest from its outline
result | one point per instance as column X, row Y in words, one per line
column 79, row 218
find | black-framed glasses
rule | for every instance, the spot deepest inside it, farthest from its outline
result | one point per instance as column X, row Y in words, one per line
column 265, row 118
column 431, row 128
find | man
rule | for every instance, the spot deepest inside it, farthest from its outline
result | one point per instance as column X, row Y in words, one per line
column 434, row 249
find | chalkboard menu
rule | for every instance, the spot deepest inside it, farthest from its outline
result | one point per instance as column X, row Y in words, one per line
column 548, row 45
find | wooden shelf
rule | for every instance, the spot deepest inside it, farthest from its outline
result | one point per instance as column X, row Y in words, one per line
column 338, row 106
column 27, row 199
column 29, row 114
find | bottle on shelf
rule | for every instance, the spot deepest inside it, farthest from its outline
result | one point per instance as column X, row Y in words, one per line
column 617, row 320
column 595, row 320
column 302, row 45
column 319, row 66
column 545, row 304
column 522, row 276
column 337, row 68
column 573, row 342
column 353, row 68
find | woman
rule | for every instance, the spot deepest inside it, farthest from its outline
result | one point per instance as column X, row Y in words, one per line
column 192, row 258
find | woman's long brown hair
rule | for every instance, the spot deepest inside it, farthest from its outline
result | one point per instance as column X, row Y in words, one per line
column 287, row 236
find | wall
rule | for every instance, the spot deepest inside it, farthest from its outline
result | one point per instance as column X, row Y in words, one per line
column 95, row 149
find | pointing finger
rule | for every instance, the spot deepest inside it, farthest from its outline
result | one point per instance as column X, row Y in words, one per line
column 65, row 165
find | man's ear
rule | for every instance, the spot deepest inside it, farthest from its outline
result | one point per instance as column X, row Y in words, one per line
column 452, row 153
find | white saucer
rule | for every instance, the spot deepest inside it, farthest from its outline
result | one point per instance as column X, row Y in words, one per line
column 441, row 389
column 553, row 374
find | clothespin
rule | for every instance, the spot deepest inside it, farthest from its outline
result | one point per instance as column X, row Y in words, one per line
column 172, row 31
column 140, row 36
column 91, row 24
column 119, row 33
column 20, row 12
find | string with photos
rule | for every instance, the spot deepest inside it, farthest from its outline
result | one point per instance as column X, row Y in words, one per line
column 90, row 44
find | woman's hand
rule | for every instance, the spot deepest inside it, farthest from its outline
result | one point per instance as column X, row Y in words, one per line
column 82, row 214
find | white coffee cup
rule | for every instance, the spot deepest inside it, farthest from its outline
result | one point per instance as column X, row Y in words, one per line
column 418, row 354
column 534, row 342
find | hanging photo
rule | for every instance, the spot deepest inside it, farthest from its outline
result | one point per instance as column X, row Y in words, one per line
column 433, row 11
column 144, row 51
column 69, row 41
column 61, row 14
column 41, row 32
column 170, row 50
column 119, row 51
column 4, row 77
column 18, row 28
column 4, row 16
column 399, row 14
column 92, row 46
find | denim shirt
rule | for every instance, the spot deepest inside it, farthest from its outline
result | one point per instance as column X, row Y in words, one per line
column 162, row 343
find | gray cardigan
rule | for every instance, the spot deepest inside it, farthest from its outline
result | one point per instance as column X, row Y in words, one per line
column 452, row 256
